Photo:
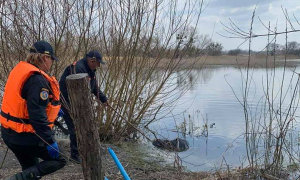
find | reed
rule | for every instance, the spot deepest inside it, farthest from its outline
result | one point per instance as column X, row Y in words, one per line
column 270, row 126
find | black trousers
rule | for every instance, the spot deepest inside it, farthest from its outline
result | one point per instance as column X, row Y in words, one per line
column 28, row 157
column 71, row 129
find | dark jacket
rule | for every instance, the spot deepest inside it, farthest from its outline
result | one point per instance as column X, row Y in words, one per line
column 37, row 114
column 81, row 66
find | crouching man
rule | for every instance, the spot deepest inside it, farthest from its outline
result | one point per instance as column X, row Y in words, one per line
column 29, row 108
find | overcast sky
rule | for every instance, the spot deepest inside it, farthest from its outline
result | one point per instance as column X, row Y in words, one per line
column 240, row 12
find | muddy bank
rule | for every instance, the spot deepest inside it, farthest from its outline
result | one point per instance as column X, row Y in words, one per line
column 138, row 164
column 134, row 161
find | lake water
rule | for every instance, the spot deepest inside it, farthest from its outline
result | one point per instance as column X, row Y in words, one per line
column 213, row 100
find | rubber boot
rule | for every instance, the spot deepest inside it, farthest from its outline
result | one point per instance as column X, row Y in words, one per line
column 76, row 159
column 31, row 173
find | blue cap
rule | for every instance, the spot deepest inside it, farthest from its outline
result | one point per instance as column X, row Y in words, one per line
column 96, row 55
column 43, row 47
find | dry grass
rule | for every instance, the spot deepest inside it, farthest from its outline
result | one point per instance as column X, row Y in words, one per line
column 133, row 161
column 256, row 61
column 136, row 167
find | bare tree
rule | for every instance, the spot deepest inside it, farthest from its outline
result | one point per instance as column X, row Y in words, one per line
column 137, row 39
column 214, row 48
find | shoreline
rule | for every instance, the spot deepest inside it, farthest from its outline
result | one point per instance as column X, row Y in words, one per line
column 242, row 61
column 137, row 164
column 255, row 61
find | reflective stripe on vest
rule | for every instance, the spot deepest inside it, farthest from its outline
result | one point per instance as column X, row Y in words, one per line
column 14, row 113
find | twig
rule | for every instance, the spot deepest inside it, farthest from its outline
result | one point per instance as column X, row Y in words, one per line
column 130, row 123
column 267, row 176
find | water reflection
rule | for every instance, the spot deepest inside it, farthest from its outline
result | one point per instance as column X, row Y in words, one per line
column 196, row 76
column 210, row 115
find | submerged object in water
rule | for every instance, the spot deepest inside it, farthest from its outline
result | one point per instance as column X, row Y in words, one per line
column 172, row 145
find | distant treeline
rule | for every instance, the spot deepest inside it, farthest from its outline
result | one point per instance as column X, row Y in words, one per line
column 207, row 46
column 291, row 48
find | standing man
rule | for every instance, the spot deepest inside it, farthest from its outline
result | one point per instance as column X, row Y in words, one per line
column 87, row 65
column 30, row 105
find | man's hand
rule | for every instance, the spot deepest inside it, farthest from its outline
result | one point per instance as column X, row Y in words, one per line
column 106, row 103
column 60, row 113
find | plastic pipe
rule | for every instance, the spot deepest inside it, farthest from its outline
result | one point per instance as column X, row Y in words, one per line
column 119, row 165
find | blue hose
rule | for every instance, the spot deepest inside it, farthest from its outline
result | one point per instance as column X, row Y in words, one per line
column 119, row 165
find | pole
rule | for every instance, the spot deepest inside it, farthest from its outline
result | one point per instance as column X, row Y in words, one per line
column 129, row 123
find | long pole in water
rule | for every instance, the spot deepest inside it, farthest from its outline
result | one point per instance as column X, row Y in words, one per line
column 129, row 123
column 119, row 165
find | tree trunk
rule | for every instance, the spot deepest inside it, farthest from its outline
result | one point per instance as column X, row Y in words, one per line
column 83, row 114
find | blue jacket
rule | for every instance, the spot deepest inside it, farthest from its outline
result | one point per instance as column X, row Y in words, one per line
column 81, row 66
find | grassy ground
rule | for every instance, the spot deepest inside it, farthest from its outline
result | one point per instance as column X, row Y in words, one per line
column 138, row 164
column 131, row 158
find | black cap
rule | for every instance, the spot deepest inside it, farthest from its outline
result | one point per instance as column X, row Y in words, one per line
column 95, row 54
column 43, row 47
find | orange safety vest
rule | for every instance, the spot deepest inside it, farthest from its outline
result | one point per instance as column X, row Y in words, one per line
column 14, row 113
